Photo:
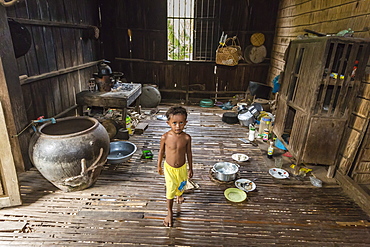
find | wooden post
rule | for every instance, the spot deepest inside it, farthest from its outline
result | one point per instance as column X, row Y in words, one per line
column 11, row 96
column 10, row 195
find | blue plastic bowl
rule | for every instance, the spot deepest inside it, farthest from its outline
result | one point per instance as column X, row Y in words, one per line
column 206, row 103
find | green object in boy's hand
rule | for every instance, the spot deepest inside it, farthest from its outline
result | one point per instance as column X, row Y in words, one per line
column 147, row 154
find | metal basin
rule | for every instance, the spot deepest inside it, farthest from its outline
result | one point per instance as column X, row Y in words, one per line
column 120, row 151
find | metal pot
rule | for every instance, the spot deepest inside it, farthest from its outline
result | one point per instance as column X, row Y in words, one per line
column 225, row 171
column 245, row 119
column 242, row 108
column 255, row 109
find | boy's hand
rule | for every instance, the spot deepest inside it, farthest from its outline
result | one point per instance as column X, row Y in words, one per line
column 190, row 173
column 160, row 171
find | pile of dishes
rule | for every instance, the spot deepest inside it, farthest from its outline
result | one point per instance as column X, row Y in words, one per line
column 239, row 194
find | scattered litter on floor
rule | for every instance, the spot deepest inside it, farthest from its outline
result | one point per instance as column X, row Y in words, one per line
column 315, row 181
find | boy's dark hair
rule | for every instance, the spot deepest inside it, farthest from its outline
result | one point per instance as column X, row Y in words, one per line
column 176, row 110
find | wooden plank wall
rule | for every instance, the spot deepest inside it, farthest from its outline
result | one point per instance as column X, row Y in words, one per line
column 354, row 155
column 146, row 63
column 329, row 17
column 56, row 28
column 61, row 58
column 361, row 172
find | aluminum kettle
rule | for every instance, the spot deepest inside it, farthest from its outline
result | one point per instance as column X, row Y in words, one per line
column 104, row 69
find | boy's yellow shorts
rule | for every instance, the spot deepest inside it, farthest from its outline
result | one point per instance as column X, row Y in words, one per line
column 174, row 177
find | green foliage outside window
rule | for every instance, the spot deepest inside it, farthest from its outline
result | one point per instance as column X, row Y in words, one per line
column 179, row 44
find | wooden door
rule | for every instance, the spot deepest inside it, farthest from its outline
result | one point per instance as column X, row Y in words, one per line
column 9, row 189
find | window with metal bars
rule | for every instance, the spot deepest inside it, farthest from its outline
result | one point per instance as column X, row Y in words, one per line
column 193, row 29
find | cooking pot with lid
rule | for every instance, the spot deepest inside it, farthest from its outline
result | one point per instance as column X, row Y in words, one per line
column 225, row 171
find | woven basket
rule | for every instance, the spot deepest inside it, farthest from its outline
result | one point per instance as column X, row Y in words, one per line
column 229, row 55
column 257, row 39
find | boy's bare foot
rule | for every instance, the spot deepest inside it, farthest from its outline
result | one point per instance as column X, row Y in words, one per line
column 180, row 199
column 168, row 220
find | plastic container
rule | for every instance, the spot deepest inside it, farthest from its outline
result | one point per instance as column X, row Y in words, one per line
column 278, row 162
column 129, row 125
column 206, row 103
column 265, row 123
column 252, row 133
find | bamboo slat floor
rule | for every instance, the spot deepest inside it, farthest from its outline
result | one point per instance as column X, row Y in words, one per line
column 127, row 204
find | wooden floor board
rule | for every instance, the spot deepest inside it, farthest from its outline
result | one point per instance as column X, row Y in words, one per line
column 127, row 204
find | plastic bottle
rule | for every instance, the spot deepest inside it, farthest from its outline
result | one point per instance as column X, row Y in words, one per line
column 265, row 123
column 252, row 133
column 270, row 151
column 129, row 125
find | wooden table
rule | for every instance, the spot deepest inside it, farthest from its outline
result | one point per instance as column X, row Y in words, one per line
column 120, row 99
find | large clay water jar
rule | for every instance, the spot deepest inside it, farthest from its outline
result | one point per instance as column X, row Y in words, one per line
column 71, row 152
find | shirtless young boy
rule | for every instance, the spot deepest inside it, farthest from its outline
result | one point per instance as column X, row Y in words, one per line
column 176, row 147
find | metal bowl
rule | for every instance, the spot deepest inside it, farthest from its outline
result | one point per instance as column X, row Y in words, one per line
column 120, row 151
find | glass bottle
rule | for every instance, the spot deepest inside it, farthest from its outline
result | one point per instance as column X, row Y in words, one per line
column 270, row 151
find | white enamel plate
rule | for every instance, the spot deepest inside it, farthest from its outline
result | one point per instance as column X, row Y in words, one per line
column 278, row 173
column 240, row 157
column 245, row 184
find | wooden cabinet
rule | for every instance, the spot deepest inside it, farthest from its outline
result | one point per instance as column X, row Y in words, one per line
column 318, row 86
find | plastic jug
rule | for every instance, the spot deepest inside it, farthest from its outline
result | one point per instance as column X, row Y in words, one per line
column 265, row 123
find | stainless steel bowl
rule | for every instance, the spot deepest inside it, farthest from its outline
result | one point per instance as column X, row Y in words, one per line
column 120, row 151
